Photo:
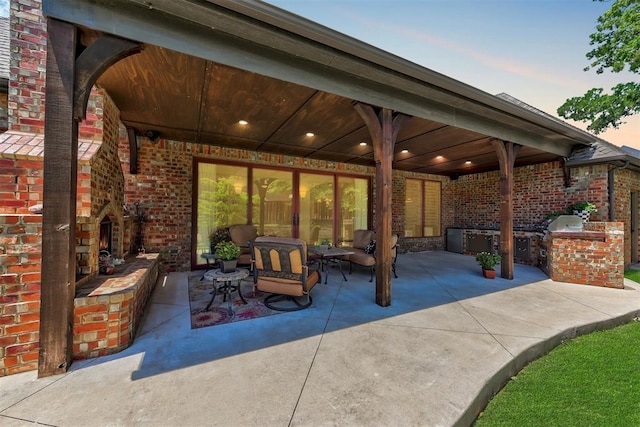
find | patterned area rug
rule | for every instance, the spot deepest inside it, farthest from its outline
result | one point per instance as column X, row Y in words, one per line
column 218, row 314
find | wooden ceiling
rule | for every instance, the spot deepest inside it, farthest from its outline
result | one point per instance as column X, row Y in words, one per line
column 191, row 99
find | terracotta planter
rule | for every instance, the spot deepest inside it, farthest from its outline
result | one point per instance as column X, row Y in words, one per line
column 489, row 274
column 228, row 266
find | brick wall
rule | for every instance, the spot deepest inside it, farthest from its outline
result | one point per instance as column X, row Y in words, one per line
column 27, row 66
column 592, row 257
column 20, row 259
column 625, row 182
column 4, row 111
column 538, row 191
column 20, row 183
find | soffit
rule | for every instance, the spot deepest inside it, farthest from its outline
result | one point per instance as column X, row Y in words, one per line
column 287, row 75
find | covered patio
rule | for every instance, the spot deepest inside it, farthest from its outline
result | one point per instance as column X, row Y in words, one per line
column 188, row 71
column 434, row 357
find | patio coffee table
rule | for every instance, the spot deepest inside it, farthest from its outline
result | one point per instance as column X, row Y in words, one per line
column 330, row 254
column 224, row 282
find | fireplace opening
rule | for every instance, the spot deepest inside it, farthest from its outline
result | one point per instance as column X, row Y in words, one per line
column 106, row 230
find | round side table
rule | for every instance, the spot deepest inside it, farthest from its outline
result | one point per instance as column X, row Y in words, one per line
column 226, row 283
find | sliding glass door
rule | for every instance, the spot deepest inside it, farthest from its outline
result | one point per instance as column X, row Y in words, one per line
column 315, row 216
column 221, row 200
column 272, row 196
column 315, row 207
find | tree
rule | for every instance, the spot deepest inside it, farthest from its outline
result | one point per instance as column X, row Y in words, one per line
column 617, row 46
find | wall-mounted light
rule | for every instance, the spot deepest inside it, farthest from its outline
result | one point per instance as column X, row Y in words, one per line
column 152, row 135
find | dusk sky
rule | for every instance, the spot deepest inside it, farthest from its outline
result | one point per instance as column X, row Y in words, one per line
column 533, row 50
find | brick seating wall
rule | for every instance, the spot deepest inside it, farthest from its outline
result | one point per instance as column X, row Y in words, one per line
column 108, row 309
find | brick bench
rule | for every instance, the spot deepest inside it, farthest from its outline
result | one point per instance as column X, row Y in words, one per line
column 108, row 309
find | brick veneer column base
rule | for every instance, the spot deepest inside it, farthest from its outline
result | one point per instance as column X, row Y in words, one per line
column 594, row 256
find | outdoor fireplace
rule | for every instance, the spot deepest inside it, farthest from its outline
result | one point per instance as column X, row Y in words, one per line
column 106, row 234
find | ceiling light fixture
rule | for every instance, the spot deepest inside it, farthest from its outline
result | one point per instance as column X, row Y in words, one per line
column 310, row 134
column 468, row 162
column 363, row 143
column 243, row 122
column 404, row 151
column 439, row 157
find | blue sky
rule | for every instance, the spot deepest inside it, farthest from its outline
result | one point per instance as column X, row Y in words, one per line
column 532, row 49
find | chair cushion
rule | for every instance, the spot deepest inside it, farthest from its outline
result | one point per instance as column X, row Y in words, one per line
column 276, row 285
column 361, row 258
column 242, row 233
column 361, row 238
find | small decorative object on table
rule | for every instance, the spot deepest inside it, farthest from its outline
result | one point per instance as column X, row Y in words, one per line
column 228, row 252
column 488, row 261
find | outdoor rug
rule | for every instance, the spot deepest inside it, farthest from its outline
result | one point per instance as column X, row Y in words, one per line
column 200, row 295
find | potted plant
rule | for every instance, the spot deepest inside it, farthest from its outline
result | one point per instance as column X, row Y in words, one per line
column 583, row 210
column 488, row 261
column 325, row 244
column 228, row 253
column 218, row 236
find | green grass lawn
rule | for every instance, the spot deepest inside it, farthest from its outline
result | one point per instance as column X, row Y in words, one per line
column 592, row 380
column 633, row 275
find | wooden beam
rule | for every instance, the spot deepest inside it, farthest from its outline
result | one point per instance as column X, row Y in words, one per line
column 507, row 152
column 133, row 150
column 105, row 51
column 383, row 128
column 59, row 203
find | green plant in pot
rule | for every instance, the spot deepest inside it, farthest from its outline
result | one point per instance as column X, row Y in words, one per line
column 488, row 261
column 228, row 253
column 582, row 209
column 218, row 236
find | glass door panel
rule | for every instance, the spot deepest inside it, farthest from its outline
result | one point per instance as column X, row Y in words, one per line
column 221, row 200
column 273, row 202
column 353, row 212
column 316, row 208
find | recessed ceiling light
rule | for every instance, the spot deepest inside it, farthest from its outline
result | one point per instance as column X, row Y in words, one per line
column 310, row 134
column 439, row 157
column 468, row 162
column 404, row 151
column 243, row 122
column 363, row 143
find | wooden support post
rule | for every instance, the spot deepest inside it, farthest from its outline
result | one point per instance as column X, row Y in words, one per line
column 507, row 152
column 59, row 203
column 133, row 151
column 383, row 129
column 69, row 82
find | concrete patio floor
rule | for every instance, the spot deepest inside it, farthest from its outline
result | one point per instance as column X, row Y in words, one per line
column 449, row 340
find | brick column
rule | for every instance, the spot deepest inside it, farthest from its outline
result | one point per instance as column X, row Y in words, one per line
column 28, row 49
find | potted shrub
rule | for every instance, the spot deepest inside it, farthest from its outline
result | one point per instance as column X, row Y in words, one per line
column 488, row 261
column 228, row 253
column 218, row 236
column 583, row 210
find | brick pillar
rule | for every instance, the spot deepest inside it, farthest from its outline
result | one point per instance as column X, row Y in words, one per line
column 28, row 49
